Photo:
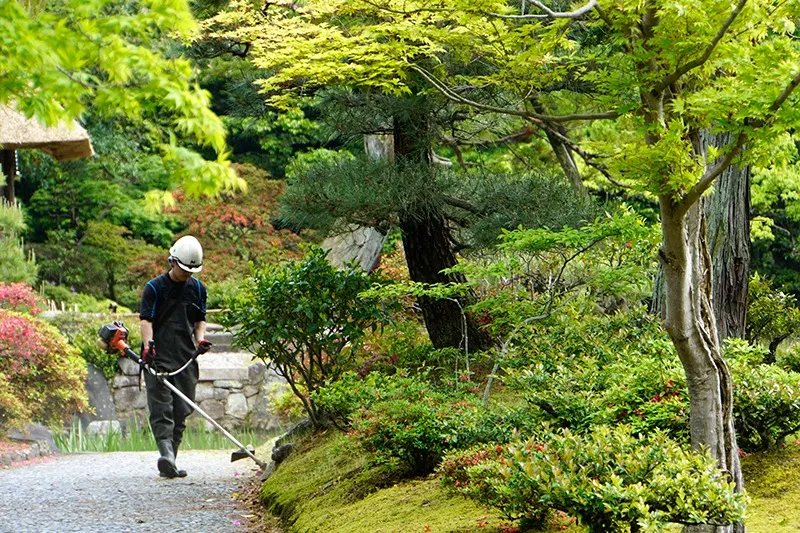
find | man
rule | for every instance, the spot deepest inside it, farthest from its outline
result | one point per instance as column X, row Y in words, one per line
column 173, row 314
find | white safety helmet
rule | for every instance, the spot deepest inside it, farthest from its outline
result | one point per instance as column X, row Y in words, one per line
column 188, row 253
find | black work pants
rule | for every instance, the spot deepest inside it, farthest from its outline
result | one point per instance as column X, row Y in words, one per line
column 168, row 412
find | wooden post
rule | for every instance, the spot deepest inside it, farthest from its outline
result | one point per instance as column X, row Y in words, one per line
column 8, row 161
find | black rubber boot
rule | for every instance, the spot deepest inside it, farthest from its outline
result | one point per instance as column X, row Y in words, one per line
column 166, row 463
column 175, row 446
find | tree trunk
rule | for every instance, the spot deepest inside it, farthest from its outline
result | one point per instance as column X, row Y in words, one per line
column 428, row 250
column 562, row 152
column 8, row 162
column 690, row 322
column 727, row 211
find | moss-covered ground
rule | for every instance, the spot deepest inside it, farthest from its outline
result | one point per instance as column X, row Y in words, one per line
column 773, row 481
column 324, row 486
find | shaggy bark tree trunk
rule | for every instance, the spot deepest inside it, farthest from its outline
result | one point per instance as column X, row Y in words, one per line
column 428, row 251
column 727, row 211
column 690, row 322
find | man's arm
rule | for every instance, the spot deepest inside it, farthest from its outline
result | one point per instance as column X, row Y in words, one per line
column 147, row 310
column 199, row 331
column 147, row 332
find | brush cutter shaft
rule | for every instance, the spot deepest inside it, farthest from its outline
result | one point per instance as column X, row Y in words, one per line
column 131, row 354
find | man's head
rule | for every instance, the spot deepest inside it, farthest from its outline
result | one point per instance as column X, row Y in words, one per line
column 186, row 257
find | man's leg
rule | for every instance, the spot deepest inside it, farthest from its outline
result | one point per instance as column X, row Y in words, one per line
column 162, row 423
column 185, row 382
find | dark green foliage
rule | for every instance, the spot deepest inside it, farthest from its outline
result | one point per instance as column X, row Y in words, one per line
column 307, row 319
column 89, row 225
column 110, row 186
column 257, row 133
column 333, row 188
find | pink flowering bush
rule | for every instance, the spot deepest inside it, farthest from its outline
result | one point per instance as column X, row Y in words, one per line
column 42, row 375
column 19, row 297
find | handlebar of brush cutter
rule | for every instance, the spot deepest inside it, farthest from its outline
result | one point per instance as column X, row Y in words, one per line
column 203, row 347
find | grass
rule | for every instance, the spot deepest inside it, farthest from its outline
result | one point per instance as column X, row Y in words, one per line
column 324, row 486
column 772, row 480
column 75, row 439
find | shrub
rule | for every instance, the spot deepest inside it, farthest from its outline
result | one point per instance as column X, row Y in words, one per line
column 766, row 405
column 404, row 422
column 222, row 293
column 772, row 315
column 582, row 370
column 404, row 344
column 42, row 375
column 790, row 359
column 306, row 318
column 609, row 479
column 19, row 297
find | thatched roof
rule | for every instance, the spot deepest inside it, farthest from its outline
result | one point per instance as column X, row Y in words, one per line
column 65, row 141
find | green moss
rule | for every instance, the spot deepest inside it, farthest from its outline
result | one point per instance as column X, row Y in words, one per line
column 772, row 480
column 324, row 486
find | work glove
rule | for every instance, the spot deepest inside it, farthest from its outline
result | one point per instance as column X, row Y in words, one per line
column 149, row 354
column 203, row 346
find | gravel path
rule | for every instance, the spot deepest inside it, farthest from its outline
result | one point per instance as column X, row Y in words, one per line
column 121, row 492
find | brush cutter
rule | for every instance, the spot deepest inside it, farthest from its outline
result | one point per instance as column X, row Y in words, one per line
column 114, row 338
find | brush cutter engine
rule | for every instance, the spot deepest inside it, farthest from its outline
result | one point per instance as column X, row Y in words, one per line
column 113, row 337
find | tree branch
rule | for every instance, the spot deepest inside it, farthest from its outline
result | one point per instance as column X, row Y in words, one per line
column 548, row 13
column 452, row 95
column 522, row 135
column 735, row 148
column 785, row 93
column 680, row 71
column 462, row 204
column 710, row 175
column 588, row 157
column 410, row 12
